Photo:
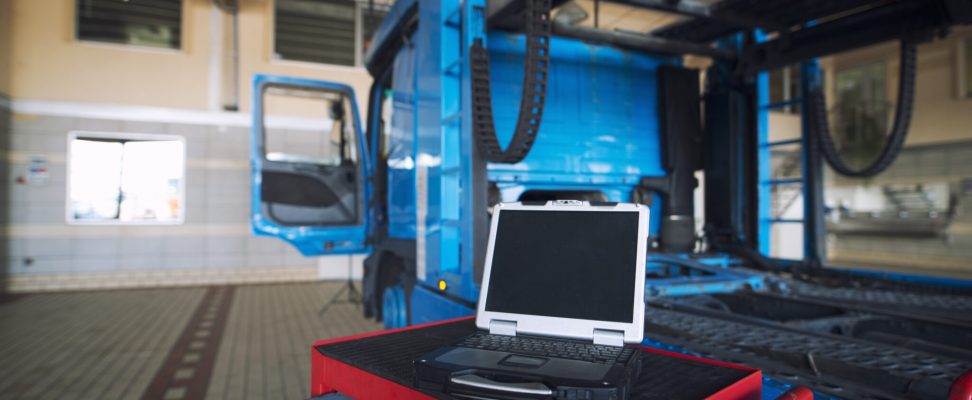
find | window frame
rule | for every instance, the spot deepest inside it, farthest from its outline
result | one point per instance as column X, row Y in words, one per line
column 76, row 134
column 183, row 26
column 359, row 39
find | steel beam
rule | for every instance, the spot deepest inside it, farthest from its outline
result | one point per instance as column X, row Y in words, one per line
column 641, row 42
column 696, row 9
column 915, row 20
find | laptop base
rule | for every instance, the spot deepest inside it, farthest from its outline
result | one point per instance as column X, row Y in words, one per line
column 477, row 373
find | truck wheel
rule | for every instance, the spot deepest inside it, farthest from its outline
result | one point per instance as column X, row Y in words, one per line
column 394, row 307
column 394, row 298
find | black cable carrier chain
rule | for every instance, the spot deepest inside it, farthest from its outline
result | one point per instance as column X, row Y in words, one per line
column 899, row 130
column 537, row 60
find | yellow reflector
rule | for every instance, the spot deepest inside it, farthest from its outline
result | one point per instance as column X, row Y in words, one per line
column 442, row 285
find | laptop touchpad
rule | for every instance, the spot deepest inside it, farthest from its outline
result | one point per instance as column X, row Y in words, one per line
column 514, row 360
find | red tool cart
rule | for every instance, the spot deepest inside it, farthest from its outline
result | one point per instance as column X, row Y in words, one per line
column 378, row 365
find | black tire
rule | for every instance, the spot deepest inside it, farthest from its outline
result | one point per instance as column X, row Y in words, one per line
column 391, row 270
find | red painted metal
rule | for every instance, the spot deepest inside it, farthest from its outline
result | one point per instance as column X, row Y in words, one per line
column 323, row 369
column 328, row 375
column 797, row 393
column 962, row 387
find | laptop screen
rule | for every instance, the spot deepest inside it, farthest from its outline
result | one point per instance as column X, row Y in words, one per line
column 567, row 264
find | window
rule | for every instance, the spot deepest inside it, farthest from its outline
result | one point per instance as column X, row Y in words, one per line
column 321, row 129
column 149, row 23
column 125, row 178
column 310, row 176
column 861, row 113
column 325, row 31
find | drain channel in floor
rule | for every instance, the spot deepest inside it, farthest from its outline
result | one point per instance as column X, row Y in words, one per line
column 188, row 367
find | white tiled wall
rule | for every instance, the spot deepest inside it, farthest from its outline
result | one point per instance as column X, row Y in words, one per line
column 214, row 245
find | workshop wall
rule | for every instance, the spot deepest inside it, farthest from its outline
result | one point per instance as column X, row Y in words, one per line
column 5, row 46
column 213, row 245
column 4, row 189
column 52, row 65
column 950, row 253
column 941, row 114
column 57, row 84
column 938, row 149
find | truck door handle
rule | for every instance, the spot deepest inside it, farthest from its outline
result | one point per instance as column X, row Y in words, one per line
column 476, row 381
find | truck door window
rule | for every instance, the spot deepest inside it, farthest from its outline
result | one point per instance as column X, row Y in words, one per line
column 311, row 172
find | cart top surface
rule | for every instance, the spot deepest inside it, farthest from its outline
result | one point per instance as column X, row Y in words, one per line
column 390, row 356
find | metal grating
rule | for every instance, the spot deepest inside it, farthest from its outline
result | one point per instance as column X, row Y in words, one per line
column 881, row 370
column 320, row 31
column 950, row 304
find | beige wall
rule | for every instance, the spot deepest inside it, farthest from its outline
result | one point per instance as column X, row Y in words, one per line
column 49, row 64
column 256, row 49
column 5, row 19
column 940, row 115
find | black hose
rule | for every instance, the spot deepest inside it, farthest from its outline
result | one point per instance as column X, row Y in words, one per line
column 899, row 131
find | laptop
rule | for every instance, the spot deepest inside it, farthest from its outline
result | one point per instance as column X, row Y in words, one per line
column 561, row 310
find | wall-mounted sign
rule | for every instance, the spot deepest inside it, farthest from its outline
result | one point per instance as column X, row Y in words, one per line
column 38, row 171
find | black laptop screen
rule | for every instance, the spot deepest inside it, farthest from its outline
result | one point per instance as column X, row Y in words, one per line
column 569, row 264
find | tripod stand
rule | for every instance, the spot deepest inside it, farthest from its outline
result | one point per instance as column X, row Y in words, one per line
column 353, row 296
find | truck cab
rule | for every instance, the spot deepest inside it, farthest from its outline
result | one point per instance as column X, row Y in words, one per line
column 410, row 188
column 471, row 106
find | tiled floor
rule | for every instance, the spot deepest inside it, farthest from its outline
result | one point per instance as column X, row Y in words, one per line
column 112, row 344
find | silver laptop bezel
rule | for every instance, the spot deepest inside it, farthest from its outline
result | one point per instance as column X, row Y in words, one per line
column 570, row 327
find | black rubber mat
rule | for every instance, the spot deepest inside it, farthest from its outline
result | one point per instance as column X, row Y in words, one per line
column 390, row 356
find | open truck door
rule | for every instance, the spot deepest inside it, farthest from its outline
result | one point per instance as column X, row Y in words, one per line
column 310, row 166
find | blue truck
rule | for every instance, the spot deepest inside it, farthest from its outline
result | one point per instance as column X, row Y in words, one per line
column 519, row 100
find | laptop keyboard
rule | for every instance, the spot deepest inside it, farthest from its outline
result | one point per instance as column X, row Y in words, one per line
column 547, row 347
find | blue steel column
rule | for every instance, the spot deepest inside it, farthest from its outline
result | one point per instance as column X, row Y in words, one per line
column 475, row 228
column 764, row 162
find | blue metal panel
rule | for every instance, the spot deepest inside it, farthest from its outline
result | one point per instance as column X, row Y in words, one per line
column 431, row 143
column 510, row 192
column 315, row 240
column 435, row 307
column 401, row 152
column 600, row 122
column 696, row 276
column 428, row 139
column 763, row 160
column 470, row 24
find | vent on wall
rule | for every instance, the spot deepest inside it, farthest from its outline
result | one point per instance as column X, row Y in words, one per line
column 150, row 23
column 320, row 31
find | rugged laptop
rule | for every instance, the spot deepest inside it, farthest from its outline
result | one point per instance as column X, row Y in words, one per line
column 561, row 310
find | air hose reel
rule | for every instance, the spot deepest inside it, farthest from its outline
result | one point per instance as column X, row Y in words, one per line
column 899, row 130
column 536, row 63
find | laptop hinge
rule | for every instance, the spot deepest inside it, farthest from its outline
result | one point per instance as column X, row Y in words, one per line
column 608, row 337
column 500, row 327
